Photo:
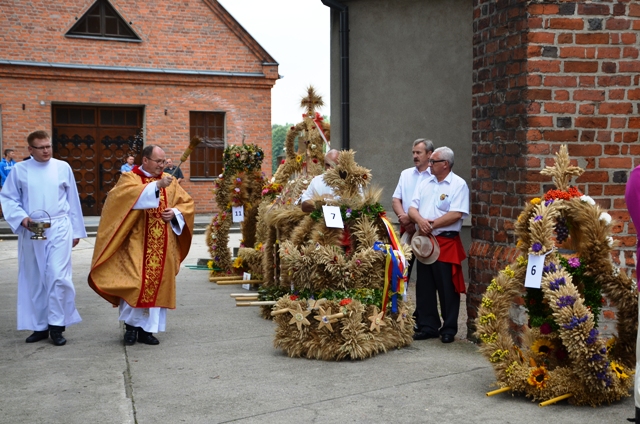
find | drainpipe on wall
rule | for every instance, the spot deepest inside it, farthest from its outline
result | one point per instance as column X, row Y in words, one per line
column 344, row 68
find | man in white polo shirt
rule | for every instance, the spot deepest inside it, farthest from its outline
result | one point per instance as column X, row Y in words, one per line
column 439, row 205
column 409, row 179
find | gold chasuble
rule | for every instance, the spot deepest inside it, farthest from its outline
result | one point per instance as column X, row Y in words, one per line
column 137, row 255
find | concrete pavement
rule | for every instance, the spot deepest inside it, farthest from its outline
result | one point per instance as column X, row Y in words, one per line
column 216, row 364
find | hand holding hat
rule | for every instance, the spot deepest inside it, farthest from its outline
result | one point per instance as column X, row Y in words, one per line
column 426, row 248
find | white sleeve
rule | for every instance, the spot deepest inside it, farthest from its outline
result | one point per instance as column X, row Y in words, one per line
column 415, row 199
column 178, row 225
column 398, row 192
column 148, row 198
column 309, row 192
column 75, row 209
column 460, row 200
column 12, row 199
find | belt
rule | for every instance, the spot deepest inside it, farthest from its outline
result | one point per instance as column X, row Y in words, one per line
column 449, row 234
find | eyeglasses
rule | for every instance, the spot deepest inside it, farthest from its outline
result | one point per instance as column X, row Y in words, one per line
column 158, row 161
column 431, row 161
column 41, row 147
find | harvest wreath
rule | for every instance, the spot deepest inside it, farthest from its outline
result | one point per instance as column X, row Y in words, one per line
column 562, row 354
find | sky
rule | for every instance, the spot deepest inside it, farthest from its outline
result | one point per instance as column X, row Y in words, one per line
column 296, row 34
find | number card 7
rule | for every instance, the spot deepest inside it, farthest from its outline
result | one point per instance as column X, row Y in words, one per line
column 332, row 216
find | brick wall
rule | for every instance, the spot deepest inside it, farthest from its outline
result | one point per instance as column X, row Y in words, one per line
column 499, row 162
column 176, row 35
column 553, row 73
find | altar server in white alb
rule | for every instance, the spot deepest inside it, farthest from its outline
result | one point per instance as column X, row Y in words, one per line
column 45, row 189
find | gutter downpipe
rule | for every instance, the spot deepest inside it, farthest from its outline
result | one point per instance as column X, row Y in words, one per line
column 344, row 69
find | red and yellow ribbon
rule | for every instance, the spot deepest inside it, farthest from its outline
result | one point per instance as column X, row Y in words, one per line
column 395, row 267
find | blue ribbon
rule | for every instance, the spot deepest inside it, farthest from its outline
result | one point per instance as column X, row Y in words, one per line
column 395, row 273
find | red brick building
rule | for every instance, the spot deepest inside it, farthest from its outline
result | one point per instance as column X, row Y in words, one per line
column 94, row 73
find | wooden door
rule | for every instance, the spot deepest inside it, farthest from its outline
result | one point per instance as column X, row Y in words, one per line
column 95, row 142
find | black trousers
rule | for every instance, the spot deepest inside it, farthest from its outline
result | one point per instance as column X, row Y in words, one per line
column 436, row 279
column 410, row 268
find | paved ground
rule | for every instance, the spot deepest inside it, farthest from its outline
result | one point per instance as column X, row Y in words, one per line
column 216, row 364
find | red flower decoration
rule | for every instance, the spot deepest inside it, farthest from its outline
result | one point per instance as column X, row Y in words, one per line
column 293, row 297
column 315, row 160
column 561, row 354
column 345, row 302
column 545, row 328
column 282, row 162
column 237, row 155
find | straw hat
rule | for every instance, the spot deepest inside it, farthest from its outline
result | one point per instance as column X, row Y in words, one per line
column 426, row 248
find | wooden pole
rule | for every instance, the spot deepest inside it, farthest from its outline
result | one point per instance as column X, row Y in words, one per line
column 231, row 282
column 225, row 278
column 258, row 303
column 554, row 400
column 501, row 390
column 243, row 294
column 245, row 298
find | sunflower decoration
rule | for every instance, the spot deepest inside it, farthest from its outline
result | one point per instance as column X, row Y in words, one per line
column 563, row 329
column 538, row 377
column 619, row 370
column 542, row 347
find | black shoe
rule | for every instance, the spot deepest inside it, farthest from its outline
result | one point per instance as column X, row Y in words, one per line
column 420, row 335
column 130, row 335
column 55, row 332
column 447, row 338
column 56, row 337
column 147, row 338
column 636, row 419
column 37, row 336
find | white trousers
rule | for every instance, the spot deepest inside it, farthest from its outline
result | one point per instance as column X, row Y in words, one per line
column 46, row 295
column 151, row 320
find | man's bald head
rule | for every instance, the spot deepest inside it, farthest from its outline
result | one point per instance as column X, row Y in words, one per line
column 331, row 158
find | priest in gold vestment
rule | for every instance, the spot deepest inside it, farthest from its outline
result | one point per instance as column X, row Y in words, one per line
column 144, row 234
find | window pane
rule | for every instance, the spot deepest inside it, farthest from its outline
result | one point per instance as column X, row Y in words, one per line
column 124, row 31
column 88, row 116
column 206, row 161
column 93, row 23
column 132, row 118
column 109, row 12
column 102, row 21
column 118, row 117
column 106, row 117
column 110, row 26
column 62, row 116
column 75, row 116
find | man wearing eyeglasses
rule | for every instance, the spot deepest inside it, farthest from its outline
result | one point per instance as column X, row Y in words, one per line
column 44, row 190
column 144, row 234
column 439, row 205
